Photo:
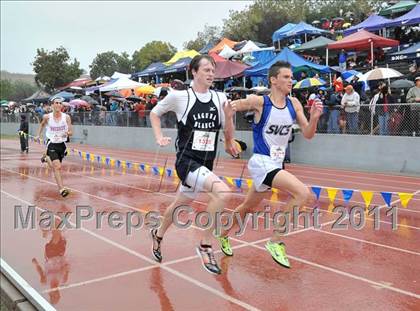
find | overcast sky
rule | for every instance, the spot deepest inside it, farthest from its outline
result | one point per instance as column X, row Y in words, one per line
column 86, row 28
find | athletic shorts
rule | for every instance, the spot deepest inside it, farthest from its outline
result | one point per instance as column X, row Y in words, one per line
column 259, row 166
column 193, row 173
column 56, row 151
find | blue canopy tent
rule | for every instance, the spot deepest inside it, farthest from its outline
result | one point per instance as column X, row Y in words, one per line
column 179, row 66
column 300, row 29
column 411, row 52
column 278, row 34
column 286, row 55
column 151, row 70
column 411, row 18
column 372, row 23
column 207, row 48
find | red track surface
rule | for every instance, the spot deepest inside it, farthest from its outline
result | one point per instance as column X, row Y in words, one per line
column 106, row 269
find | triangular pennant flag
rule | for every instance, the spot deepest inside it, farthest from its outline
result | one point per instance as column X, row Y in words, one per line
column 155, row 170
column 317, row 191
column 405, row 198
column 238, row 183
column 230, row 180
column 80, row 154
column 83, row 155
column 118, row 163
column 221, row 177
column 347, row 194
column 147, row 168
column 387, row 197
column 128, row 165
column 168, row 172
column 274, row 190
column 135, row 167
column 142, row 167
column 108, row 161
column 88, row 156
column 249, row 183
column 112, row 161
column 123, row 164
column 367, row 197
column 176, row 176
column 332, row 192
column 274, row 196
column 160, row 171
column 98, row 158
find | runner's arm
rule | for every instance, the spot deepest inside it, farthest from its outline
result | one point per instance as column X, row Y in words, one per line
column 70, row 126
column 308, row 128
column 42, row 125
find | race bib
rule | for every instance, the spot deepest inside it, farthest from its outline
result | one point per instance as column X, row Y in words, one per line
column 59, row 138
column 277, row 153
column 204, row 141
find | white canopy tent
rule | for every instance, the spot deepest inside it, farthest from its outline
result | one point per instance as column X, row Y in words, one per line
column 117, row 75
column 121, row 84
column 227, row 52
column 249, row 47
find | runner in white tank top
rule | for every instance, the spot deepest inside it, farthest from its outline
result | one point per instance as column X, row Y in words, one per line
column 272, row 127
column 59, row 128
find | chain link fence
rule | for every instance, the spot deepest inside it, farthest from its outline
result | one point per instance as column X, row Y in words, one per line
column 400, row 119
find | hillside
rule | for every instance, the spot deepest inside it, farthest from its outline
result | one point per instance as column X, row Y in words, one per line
column 18, row 76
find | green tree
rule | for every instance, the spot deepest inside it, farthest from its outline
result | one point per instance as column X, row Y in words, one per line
column 209, row 34
column 54, row 69
column 6, row 89
column 155, row 51
column 260, row 20
column 105, row 64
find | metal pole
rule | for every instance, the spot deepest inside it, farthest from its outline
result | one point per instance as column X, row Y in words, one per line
column 371, row 51
column 326, row 57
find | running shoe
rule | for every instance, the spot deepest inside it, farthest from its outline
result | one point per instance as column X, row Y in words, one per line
column 225, row 245
column 64, row 192
column 207, row 259
column 278, row 252
column 157, row 255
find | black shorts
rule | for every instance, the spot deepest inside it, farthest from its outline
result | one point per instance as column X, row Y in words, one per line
column 56, row 151
column 185, row 164
column 268, row 180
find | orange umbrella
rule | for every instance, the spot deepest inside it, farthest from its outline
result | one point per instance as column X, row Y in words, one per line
column 144, row 90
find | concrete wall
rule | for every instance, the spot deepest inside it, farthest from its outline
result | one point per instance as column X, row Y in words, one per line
column 370, row 153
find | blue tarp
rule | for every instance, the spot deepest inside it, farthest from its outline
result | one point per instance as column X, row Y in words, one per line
column 277, row 35
column 408, row 53
column 286, row 55
column 300, row 29
column 151, row 70
column 372, row 23
column 179, row 66
column 411, row 18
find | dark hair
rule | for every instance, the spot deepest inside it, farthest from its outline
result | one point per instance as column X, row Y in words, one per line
column 275, row 68
column 195, row 62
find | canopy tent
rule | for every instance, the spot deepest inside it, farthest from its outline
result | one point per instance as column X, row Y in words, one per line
column 206, row 49
column 411, row 18
column 301, row 29
column 77, row 83
column 402, row 6
column 217, row 58
column 219, row 46
column 38, row 96
column 151, row 70
column 179, row 66
column 249, row 47
column 120, row 84
column 407, row 54
column 262, row 57
column 286, row 55
column 372, row 23
column 278, row 34
column 226, row 69
column 315, row 44
column 362, row 40
column 241, row 44
column 227, row 52
column 118, row 75
column 181, row 54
